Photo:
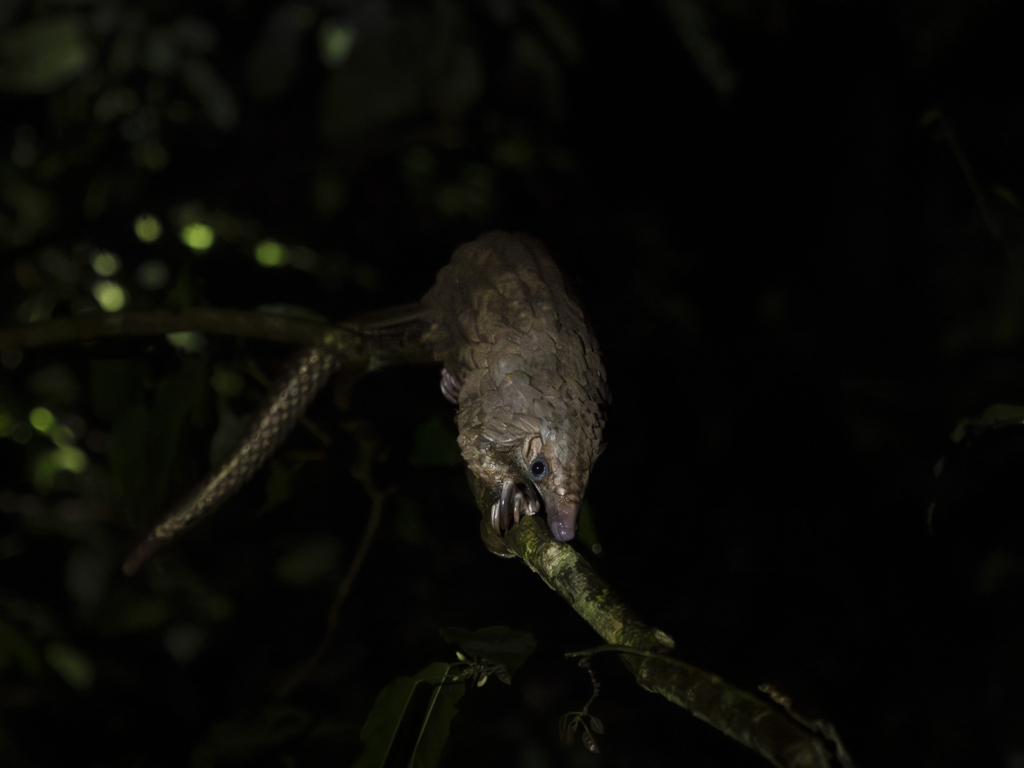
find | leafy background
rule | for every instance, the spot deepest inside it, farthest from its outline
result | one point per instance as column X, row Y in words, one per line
column 796, row 227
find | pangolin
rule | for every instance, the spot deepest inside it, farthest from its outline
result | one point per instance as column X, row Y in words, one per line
column 520, row 362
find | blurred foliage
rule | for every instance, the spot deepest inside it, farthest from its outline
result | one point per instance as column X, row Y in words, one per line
column 797, row 228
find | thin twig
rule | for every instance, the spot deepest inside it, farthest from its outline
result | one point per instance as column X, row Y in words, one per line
column 622, row 649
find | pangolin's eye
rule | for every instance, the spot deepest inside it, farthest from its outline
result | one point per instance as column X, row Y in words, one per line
column 538, row 469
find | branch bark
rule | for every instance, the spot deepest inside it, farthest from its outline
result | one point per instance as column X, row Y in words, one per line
column 757, row 724
column 380, row 342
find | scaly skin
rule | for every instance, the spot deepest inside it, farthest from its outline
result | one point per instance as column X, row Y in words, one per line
column 524, row 367
column 519, row 360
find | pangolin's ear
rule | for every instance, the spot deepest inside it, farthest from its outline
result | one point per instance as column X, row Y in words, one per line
column 532, row 445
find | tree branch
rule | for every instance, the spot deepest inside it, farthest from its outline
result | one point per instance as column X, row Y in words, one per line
column 757, row 724
column 157, row 322
column 385, row 338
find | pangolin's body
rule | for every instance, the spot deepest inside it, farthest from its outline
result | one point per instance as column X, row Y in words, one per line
column 520, row 361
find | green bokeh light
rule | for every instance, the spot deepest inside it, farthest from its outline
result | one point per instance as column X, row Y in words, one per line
column 70, row 458
column 197, row 236
column 187, row 341
column 336, row 42
column 270, row 253
column 105, row 264
column 148, row 228
column 109, row 295
column 62, row 435
column 41, row 418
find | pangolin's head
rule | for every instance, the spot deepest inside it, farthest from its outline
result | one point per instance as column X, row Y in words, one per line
column 551, row 476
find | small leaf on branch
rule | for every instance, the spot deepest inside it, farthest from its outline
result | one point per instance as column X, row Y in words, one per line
column 499, row 645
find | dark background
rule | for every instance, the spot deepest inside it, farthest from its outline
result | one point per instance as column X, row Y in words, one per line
column 796, row 228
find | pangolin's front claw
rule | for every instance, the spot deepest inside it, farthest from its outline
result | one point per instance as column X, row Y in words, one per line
column 521, row 505
column 506, row 507
column 450, row 387
column 515, row 501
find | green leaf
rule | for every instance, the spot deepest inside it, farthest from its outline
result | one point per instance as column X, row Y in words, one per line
column 387, row 712
column 588, row 741
column 499, row 645
column 434, row 733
